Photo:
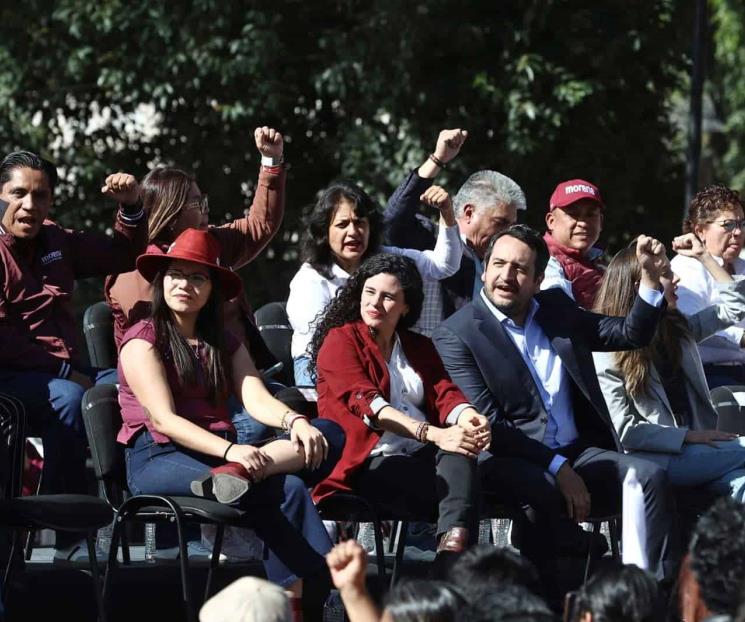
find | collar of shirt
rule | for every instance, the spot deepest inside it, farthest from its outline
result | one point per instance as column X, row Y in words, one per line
column 338, row 272
column 503, row 319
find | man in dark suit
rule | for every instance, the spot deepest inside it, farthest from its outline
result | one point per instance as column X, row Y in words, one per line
column 523, row 358
column 486, row 203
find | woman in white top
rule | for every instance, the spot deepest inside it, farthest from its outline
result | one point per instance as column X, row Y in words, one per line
column 344, row 228
column 657, row 396
column 716, row 217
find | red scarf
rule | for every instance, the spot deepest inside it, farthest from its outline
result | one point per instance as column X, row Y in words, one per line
column 584, row 274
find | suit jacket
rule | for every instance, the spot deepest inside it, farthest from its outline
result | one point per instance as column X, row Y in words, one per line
column 406, row 228
column 482, row 359
column 645, row 422
column 352, row 373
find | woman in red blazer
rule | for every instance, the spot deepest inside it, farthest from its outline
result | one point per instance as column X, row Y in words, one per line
column 412, row 437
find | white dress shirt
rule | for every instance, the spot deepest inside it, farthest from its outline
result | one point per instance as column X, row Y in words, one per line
column 407, row 396
column 549, row 375
column 310, row 291
column 696, row 291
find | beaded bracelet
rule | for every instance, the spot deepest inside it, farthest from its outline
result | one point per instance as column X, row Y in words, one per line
column 421, row 432
column 292, row 420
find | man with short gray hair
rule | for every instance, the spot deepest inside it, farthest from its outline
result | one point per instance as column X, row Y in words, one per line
column 484, row 205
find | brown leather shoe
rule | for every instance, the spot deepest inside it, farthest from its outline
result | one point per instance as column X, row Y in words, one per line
column 454, row 540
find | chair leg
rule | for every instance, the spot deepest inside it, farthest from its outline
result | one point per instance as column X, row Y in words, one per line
column 215, row 561
column 403, row 529
column 184, row 568
column 29, row 547
column 14, row 542
column 111, row 563
column 614, row 538
column 90, row 538
column 595, row 530
column 379, row 552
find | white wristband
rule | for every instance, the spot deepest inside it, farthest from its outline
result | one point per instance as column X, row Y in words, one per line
column 272, row 162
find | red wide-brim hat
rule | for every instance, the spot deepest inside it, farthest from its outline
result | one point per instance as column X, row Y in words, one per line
column 192, row 245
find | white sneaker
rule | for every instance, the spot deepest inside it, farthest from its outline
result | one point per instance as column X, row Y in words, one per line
column 238, row 544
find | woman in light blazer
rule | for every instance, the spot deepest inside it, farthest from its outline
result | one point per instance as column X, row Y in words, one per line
column 657, row 396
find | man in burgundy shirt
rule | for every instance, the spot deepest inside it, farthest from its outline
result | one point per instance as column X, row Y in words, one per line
column 39, row 264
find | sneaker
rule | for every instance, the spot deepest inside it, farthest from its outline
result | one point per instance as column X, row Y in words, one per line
column 195, row 550
column 238, row 545
column 77, row 555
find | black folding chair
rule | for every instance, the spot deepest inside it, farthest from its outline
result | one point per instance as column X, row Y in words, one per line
column 98, row 328
column 102, row 418
column 730, row 413
column 73, row 513
column 274, row 326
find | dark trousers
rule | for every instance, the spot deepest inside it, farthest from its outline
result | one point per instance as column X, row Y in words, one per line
column 525, row 483
column 281, row 510
column 428, row 484
column 724, row 375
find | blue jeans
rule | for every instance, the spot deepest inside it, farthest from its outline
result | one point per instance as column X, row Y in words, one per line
column 281, row 510
column 302, row 373
column 53, row 411
column 721, row 469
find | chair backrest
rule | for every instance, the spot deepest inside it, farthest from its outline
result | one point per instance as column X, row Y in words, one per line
column 275, row 329
column 729, row 403
column 12, row 445
column 98, row 328
column 103, row 420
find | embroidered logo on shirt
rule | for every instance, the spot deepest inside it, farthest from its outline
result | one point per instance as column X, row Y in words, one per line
column 53, row 256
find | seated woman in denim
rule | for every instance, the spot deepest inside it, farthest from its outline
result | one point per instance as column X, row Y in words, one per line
column 176, row 369
column 657, row 397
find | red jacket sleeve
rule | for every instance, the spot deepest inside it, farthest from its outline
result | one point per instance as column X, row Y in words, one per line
column 344, row 373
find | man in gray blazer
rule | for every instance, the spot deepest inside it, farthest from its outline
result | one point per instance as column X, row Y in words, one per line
column 523, row 358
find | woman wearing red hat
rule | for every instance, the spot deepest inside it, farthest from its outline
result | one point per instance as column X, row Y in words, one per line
column 176, row 369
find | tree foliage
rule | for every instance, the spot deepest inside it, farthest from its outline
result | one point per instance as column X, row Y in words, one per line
column 548, row 90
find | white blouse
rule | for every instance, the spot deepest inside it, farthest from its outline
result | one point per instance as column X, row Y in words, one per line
column 696, row 291
column 310, row 291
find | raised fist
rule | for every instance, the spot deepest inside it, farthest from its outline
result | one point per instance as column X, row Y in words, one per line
column 269, row 142
column 449, row 143
column 122, row 187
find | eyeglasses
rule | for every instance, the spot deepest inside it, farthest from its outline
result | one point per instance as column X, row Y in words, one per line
column 195, row 279
column 730, row 225
column 202, row 205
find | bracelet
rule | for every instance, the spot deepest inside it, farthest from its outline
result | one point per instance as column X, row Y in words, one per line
column 225, row 453
column 292, row 420
column 437, row 161
column 421, row 432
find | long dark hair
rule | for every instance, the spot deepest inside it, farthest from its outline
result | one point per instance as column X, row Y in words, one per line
column 315, row 244
column 345, row 306
column 616, row 297
column 424, row 601
column 210, row 329
column 164, row 193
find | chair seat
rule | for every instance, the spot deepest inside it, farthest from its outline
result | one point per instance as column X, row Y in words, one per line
column 63, row 512
column 146, row 506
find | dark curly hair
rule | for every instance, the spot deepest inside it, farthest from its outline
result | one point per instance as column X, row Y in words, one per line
column 718, row 555
column 315, row 243
column 345, row 306
column 619, row 594
column 708, row 203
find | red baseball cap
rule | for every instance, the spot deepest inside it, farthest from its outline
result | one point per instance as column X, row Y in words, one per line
column 568, row 192
column 192, row 245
